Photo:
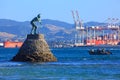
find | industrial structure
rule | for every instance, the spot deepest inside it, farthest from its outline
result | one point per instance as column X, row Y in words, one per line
column 107, row 34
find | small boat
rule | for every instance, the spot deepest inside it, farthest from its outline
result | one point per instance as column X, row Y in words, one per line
column 99, row 52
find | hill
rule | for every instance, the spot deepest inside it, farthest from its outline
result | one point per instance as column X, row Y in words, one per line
column 52, row 29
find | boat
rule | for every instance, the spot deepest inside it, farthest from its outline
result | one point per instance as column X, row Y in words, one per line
column 99, row 52
column 12, row 44
column 1, row 44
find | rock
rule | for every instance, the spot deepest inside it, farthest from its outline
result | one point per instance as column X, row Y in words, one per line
column 34, row 49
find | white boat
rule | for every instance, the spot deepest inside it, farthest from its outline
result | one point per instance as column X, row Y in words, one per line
column 1, row 44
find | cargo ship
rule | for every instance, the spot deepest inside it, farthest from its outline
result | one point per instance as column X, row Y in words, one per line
column 11, row 44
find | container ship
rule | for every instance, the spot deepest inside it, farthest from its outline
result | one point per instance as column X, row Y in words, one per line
column 11, row 44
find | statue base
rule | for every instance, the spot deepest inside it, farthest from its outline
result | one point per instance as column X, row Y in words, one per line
column 34, row 49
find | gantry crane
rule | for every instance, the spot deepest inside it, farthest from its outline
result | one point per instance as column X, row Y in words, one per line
column 79, row 36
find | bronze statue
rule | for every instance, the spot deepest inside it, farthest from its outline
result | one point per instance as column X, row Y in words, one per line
column 34, row 27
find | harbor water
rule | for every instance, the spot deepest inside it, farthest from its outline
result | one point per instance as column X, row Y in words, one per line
column 72, row 64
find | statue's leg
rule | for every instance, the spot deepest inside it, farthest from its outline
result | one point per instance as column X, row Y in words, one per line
column 35, row 29
column 32, row 30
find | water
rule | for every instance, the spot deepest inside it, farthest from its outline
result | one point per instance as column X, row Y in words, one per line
column 72, row 64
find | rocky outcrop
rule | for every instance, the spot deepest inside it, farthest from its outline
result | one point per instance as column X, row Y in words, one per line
column 34, row 49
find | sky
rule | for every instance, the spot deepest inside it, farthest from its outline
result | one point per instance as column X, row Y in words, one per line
column 89, row 10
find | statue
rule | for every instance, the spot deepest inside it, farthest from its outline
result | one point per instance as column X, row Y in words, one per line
column 34, row 48
column 34, row 27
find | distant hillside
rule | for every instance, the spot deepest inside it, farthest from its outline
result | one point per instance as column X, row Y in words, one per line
column 92, row 23
column 14, row 27
column 58, row 23
column 6, row 35
column 52, row 29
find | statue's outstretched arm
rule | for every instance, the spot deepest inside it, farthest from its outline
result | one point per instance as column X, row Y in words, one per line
column 39, row 20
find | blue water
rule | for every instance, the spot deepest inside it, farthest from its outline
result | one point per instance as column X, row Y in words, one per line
column 72, row 64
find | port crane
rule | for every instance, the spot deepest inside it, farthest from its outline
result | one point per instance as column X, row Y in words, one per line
column 79, row 36
column 109, row 33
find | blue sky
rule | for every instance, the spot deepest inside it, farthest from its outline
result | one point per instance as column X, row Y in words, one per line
column 89, row 10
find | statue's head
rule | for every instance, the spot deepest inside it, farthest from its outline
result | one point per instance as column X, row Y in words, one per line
column 38, row 15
